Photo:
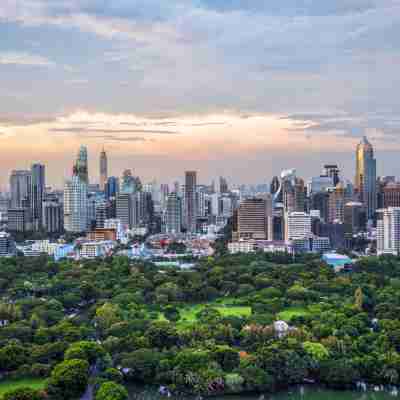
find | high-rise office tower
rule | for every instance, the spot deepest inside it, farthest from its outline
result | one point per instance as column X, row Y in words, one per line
column 52, row 216
column 174, row 214
column 190, row 201
column 19, row 219
column 112, row 187
column 125, row 209
column 164, row 193
column 37, row 194
column 251, row 220
column 391, row 195
column 100, row 213
column 354, row 220
column 128, row 182
column 103, row 169
column 223, row 185
column 143, row 209
column 319, row 184
column 81, row 166
column 298, row 226
column 332, row 171
column 294, row 195
column 337, row 200
column 75, row 205
column 20, row 188
column 320, row 201
column 365, row 180
column 388, row 231
column 274, row 187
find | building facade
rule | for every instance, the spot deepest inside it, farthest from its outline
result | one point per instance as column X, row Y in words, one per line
column 190, row 201
column 174, row 214
column 365, row 180
column 388, row 231
column 103, row 169
column 75, row 205
column 38, row 193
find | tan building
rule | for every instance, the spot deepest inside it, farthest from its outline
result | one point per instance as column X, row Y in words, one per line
column 391, row 195
column 252, row 220
column 102, row 234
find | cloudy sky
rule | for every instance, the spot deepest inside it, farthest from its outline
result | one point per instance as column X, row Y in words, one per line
column 228, row 87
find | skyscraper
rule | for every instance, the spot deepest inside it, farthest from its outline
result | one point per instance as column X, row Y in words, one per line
column 252, row 220
column 37, row 194
column 388, row 231
column 52, row 216
column 223, row 185
column 128, row 182
column 190, row 201
column 174, row 214
column 332, row 171
column 112, row 187
column 75, row 205
column 365, row 180
column 103, row 169
column 298, row 226
column 81, row 166
column 274, row 187
column 125, row 209
column 20, row 188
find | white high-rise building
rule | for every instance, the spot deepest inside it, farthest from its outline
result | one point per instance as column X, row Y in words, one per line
column 298, row 226
column 388, row 231
column 75, row 205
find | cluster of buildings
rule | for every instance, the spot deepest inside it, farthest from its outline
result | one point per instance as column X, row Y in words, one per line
column 117, row 209
column 328, row 212
column 292, row 215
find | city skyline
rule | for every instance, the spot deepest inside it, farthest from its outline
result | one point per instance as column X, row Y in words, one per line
column 94, row 172
column 172, row 86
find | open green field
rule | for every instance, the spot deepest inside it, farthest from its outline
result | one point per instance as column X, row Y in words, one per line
column 188, row 314
column 288, row 314
column 34, row 383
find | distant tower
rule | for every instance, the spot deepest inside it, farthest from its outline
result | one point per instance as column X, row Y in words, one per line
column 365, row 180
column 223, row 185
column 274, row 187
column 332, row 171
column 81, row 165
column 20, row 188
column 103, row 169
column 190, row 201
column 37, row 194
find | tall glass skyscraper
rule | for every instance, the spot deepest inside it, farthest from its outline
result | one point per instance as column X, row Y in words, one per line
column 365, row 180
column 81, row 166
column 103, row 169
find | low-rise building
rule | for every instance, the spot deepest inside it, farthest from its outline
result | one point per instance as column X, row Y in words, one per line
column 90, row 250
column 7, row 245
column 102, row 234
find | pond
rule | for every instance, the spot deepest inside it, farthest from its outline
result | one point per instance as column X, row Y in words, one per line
column 296, row 393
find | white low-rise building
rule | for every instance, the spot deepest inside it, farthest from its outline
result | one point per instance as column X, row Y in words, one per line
column 245, row 246
column 92, row 250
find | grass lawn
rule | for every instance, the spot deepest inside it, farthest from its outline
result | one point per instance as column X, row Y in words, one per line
column 188, row 315
column 34, row 383
column 287, row 314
